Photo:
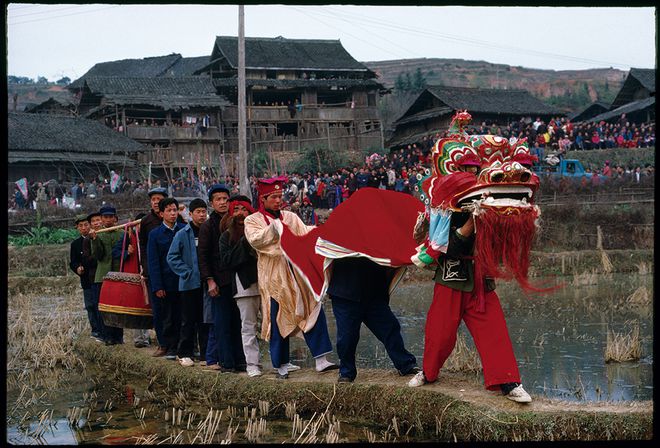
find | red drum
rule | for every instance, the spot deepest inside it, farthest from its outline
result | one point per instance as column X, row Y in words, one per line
column 124, row 301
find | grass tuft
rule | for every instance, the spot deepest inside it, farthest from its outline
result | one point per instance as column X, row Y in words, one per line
column 622, row 347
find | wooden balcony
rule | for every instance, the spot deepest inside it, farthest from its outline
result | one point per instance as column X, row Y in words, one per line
column 174, row 133
column 274, row 114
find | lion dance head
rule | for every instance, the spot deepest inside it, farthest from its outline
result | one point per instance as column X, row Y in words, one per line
column 490, row 177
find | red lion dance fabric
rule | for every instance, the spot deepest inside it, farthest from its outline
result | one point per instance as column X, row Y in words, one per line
column 373, row 223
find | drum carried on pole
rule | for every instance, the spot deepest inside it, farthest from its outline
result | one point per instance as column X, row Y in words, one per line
column 124, row 298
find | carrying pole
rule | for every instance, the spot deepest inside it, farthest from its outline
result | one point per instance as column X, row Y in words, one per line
column 119, row 226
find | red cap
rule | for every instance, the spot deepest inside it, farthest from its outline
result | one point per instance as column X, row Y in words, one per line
column 271, row 185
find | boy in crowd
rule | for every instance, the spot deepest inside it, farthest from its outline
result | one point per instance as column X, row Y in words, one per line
column 85, row 267
column 182, row 259
column 164, row 283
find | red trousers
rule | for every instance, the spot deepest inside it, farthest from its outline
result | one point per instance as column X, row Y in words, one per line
column 488, row 330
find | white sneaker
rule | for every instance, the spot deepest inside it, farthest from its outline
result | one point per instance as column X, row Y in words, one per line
column 186, row 362
column 253, row 371
column 289, row 367
column 519, row 395
column 417, row 380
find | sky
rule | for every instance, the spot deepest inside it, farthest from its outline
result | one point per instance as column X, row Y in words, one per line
column 60, row 40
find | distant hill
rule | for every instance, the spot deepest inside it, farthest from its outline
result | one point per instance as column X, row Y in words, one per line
column 568, row 89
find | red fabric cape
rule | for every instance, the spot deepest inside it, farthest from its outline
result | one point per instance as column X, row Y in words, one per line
column 374, row 223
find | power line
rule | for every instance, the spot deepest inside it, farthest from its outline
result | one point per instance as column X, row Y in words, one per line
column 345, row 32
column 380, row 36
column 63, row 15
column 21, row 6
column 468, row 41
column 51, row 11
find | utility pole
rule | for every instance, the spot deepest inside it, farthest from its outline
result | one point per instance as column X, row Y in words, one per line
column 244, row 185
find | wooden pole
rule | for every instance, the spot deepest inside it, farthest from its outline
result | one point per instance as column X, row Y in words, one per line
column 120, row 226
column 243, row 182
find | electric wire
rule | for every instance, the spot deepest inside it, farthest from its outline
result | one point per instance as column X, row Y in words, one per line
column 345, row 32
column 369, row 43
column 63, row 15
column 361, row 20
column 50, row 11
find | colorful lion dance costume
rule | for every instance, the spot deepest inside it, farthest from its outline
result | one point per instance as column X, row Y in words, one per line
column 500, row 197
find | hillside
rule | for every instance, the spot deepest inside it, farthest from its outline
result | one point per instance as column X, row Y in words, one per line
column 569, row 89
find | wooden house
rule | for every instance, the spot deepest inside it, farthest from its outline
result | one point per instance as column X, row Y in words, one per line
column 165, row 113
column 50, row 146
column 152, row 67
column 300, row 93
column 636, row 99
column 431, row 112
column 595, row 108
column 639, row 85
column 53, row 106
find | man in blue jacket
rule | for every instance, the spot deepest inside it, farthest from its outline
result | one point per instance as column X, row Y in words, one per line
column 182, row 259
column 164, row 282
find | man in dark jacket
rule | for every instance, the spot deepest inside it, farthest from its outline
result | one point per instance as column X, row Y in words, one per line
column 212, row 274
column 83, row 265
column 151, row 221
column 360, row 293
column 183, row 260
column 164, row 283
column 237, row 254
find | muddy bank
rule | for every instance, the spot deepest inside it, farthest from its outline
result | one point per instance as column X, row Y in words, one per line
column 455, row 408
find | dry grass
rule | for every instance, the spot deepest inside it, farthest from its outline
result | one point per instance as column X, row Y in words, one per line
column 463, row 358
column 644, row 268
column 585, row 278
column 41, row 333
column 641, row 297
column 608, row 267
column 622, row 347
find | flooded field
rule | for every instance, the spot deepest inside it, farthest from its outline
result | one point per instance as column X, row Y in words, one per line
column 559, row 339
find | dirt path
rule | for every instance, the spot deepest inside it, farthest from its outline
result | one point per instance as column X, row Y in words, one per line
column 452, row 384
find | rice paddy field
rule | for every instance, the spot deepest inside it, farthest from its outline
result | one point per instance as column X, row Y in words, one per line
column 584, row 352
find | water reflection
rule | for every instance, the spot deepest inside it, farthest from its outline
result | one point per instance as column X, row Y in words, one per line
column 128, row 409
